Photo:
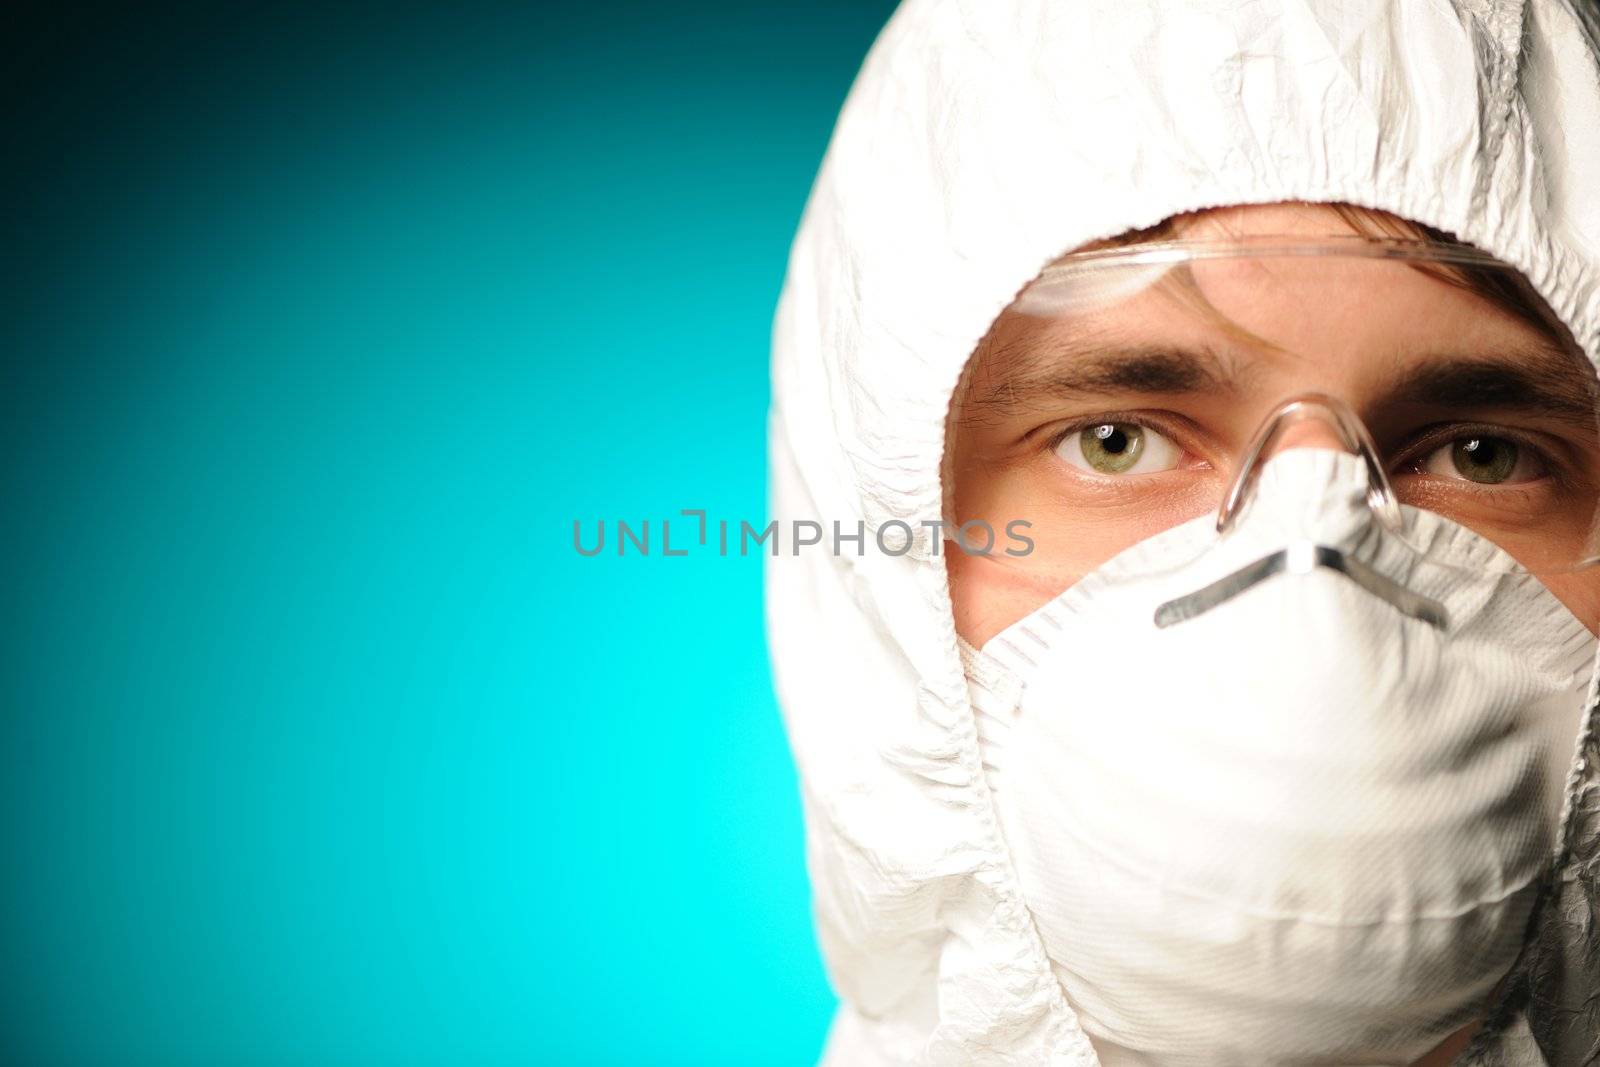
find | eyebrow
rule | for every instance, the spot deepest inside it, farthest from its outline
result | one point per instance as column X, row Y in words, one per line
column 1535, row 379
column 1540, row 379
column 1069, row 369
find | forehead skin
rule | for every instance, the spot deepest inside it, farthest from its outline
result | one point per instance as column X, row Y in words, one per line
column 1348, row 351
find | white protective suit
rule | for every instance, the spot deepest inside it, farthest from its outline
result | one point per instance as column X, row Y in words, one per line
column 982, row 139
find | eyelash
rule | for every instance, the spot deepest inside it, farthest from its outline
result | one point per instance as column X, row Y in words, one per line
column 1126, row 418
column 1141, row 419
column 1437, row 437
column 1432, row 437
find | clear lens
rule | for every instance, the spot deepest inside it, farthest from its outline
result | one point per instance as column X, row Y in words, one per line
column 1127, row 392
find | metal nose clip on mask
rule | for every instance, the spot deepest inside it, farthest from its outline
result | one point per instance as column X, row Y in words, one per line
column 1305, row 556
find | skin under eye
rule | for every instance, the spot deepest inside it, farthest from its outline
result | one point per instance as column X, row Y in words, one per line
column 1113, row 449
column 1485, row 460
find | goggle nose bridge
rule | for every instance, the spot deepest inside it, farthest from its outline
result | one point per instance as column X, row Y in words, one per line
column 1353, row 435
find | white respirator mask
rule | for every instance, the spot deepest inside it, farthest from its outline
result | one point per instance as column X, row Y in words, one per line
column 1290, row 796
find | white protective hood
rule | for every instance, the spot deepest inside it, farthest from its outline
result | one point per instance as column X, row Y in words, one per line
column 982, row 139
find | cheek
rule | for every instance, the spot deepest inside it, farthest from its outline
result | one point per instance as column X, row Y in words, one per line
column 986, row 596
column 1580, row 592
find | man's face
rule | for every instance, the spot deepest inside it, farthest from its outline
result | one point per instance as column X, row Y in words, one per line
column 1106, row 428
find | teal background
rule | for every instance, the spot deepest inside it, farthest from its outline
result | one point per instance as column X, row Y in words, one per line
column 320, row 742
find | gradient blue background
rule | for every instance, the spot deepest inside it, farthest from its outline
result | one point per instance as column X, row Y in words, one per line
column 319, row 329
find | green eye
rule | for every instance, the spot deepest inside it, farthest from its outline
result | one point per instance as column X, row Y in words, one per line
column 1112, row 447
column 1485, row 460
column 1489, row 460
column 1118, row 449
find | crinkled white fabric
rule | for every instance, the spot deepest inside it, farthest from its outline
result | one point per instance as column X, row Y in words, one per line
column 981, row 139
column 1344, row 869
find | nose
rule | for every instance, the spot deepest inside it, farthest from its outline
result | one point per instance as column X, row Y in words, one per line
column 1310, row 433
column 1311, row 420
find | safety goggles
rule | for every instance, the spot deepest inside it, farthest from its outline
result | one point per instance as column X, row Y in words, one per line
column 1127, row 391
